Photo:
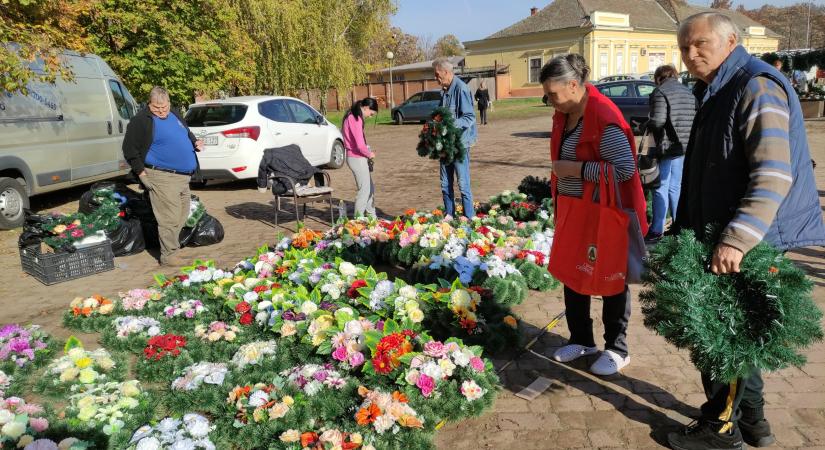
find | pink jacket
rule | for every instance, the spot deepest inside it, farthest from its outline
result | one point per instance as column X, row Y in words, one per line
column 354, row 142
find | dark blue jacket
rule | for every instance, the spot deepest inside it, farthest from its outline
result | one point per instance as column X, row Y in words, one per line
column 717, row 172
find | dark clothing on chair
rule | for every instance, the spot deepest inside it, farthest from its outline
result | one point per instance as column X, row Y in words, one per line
column 287, row 161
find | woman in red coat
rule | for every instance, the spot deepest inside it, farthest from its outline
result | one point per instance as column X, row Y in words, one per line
column 588, row 130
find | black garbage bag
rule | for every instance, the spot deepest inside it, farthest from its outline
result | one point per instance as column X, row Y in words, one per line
column 208, row 231
column 127, row 239
column 88, row 204
column 32, row 233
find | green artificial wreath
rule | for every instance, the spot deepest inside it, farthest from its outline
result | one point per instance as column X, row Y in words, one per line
column 759, row 318
column 537, row 189
column 537, row 277
column 440, row 138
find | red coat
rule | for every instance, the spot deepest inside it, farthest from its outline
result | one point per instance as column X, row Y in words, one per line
column 598, row 114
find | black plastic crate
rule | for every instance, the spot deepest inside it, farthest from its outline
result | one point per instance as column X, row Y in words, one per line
column 51, row 268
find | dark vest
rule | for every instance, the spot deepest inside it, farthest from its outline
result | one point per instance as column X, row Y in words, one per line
column 681, row 110
column 717, row 173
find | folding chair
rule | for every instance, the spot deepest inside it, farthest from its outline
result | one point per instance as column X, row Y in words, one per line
column 304, row 194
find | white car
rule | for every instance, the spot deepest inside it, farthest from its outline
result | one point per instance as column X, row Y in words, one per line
column 236, row 131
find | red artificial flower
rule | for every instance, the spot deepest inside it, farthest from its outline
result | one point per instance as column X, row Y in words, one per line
column 246, row 318
column 308, row 438
column 381, row 364
column 352, row 292
column 165, row 344
column 120, row 214
column 261, row 288
column 243, row 308
column 182, row 277
column 483, row 230
column 276, row 285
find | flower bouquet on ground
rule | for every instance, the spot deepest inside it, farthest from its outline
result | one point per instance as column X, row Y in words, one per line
column 440, row 138
column 130, row 333
column 323, row 439
column 136, row 300
column 20, row 422
column 66, row 232
column 80, row 367
column 163, row 358
column 201, row 384
column 110, row 408
column 90, row 315
column 216, row 341
column 258, row 409
column 23, row 347
column 388, row 417
column 759, row 318
column 190, row 433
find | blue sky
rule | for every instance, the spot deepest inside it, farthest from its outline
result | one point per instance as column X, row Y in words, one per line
column 475, row 19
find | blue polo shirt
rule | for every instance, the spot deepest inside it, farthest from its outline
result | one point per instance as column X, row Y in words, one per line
column 171, row 147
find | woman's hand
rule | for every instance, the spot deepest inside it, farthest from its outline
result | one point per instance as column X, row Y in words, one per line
column 567, row 169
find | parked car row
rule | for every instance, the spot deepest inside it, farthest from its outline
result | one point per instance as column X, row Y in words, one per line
column 71, row 133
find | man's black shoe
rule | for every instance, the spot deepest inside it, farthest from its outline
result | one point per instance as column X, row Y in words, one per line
column 756, row 434
column 705, row 435
column 652, row 238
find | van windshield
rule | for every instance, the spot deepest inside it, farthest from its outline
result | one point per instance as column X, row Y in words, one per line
column 214, row 115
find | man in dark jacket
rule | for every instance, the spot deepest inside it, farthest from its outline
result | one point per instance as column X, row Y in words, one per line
column 672, row 107
column 747, row 169
column 161, row 151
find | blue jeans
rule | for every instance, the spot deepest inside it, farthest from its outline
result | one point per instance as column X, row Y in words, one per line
column 448, row 173
column 670, row 175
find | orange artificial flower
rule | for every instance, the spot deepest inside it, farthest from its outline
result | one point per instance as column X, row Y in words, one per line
column 422, row 219
column 773, row 270
column 409, row 212
column 280, row 270
column 437, row 212
column 308, row 438
column 363, row 391
column 86, row 311
column 410, row 421
column 400, row 397
column 366, row 416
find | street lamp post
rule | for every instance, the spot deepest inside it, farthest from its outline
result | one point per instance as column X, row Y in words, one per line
column 390, row 56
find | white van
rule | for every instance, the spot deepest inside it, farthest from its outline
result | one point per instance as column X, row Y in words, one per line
column 61, row 135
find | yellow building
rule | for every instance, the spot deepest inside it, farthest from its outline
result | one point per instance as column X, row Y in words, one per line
column 614, row 36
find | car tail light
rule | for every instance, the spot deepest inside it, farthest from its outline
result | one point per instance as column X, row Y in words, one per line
column 243, row 132
column 238, row 169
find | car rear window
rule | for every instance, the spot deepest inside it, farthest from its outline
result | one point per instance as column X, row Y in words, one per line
column 214, row 115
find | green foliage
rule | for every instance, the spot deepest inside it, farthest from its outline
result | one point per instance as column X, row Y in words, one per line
column 511, row 290
column 536, row 189
column 760, row 318
column 440, row 138
column 537, row 277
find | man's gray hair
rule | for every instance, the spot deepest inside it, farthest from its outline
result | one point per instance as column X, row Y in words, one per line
column 443, row 63
column 721, row 24
column 158, row 94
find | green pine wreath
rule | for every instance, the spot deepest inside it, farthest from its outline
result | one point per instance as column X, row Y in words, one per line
column 440, row 138
column 760, row 318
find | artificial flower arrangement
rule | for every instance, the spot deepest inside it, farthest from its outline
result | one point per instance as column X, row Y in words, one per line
column 6, row 381
column 140, row 299
column 201, row 373
column 324, row 439
column 440, row 138
column 384, row 412
column 130, row 332
column 164, row 356
column 311, row 378
column 254, row 353
column 19, row 422
column 107, row 407
column 184, row 309
column 90, row 314
column 80, row 367
column 22, row 347
column 190, row 433
column 68, row 231
column 259, row 402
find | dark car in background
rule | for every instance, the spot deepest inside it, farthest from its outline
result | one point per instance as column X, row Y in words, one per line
column 632, row 98
column 417, row 108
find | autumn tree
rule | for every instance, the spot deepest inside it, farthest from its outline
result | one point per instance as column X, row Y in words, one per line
column 448, row 45
column 33, row 30
column 721, row 4
column 405, row 48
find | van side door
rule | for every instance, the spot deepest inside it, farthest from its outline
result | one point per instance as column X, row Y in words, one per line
column 125, row 108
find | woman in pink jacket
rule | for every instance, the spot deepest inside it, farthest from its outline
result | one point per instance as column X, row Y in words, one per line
column 359, row 155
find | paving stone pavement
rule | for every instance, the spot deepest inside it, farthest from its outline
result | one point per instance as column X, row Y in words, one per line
column 658, row 392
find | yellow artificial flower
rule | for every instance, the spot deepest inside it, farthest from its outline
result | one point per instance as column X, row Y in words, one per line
column 130, row 388
column 105, row 363
column 87, row 413
column 87, row 376
column 290, row 436
column 83, row 363
column 288, row 400
column 356, row 438
column 59, row 229
column 69, row 374
column 85, row 402
column 416, row 316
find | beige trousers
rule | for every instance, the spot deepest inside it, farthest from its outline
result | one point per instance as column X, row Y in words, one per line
column 169, row 193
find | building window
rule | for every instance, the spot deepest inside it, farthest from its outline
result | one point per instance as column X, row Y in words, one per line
column 603, row 62
column 619, row 62
column 535, row 69
column 676, row 62
column 634, row 63
column 655, row 60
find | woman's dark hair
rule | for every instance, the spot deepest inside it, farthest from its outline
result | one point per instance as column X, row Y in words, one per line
column 565, row 68
column 662, row 73
column 355, row 110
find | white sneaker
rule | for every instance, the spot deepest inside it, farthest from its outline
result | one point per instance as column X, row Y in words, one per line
column 609, row 363
column 573, row 351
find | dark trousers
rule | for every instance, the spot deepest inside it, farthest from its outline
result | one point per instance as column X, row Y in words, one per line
column 482, row 114
column 727, row 401
column 615, row 315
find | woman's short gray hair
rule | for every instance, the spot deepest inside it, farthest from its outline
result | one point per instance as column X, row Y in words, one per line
column 721, row 24
column 443, row 63
column 158, row 93
column 565, row 68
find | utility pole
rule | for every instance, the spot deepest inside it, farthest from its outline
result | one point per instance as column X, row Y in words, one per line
column 808, row 34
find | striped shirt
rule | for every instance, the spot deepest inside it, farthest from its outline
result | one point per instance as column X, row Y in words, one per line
column 614, row 149
column 763, row 119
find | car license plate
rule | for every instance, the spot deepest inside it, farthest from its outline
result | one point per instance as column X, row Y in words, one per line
column 210, row 140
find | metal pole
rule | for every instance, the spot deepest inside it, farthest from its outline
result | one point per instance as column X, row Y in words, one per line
column 808, row 35
column 392, row 103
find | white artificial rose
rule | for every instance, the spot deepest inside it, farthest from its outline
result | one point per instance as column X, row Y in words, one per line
column 408, row 291
column 308, row 307
column 13, row 429
column 6, row 416
column 354, row 327
column 263, row 306
column 148, row 443
column 347, row 269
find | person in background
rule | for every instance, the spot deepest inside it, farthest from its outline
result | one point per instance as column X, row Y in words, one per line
column 161, row 151
column 747, row 169
column 588, row 129
column 672, row 107
column 456, row 97
column 359, row 154
column 483, row 100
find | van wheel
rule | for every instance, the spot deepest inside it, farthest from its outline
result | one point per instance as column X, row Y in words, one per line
column 337, row 155
column 399, row 119
column 13, row 200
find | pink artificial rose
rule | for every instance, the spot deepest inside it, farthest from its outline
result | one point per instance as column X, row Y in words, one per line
column 356, row 359
column 435, row 349
column 477, row 364
column 340, row 353
column 77, row 233
column 426, row 384
column 39, row 424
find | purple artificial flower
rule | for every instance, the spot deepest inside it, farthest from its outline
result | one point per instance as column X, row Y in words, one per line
column 379, row 325
column 327, row 266
column 320, row 375
column 300, row 316
column 356, row 359
column 288, row 315
column 329, row 306
column 190, row 313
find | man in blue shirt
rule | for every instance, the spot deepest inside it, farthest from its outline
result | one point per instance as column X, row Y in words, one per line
column 161, row 151
column 456, row 96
